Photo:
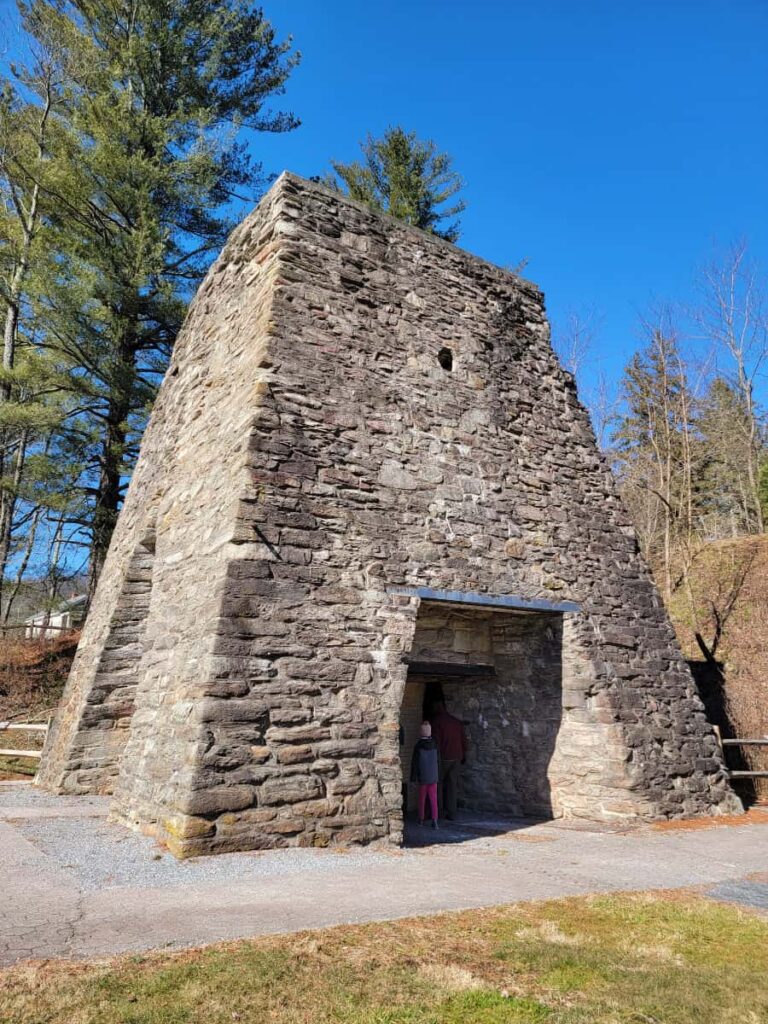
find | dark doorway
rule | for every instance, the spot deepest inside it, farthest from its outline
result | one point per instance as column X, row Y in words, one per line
column 500, row 673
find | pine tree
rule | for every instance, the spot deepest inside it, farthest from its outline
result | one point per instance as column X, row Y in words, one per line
column 31, row 405
column 725, row 494
column 157, row 92
column 407, row 178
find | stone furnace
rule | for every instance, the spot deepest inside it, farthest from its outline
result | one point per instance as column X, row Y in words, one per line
column 366, row 480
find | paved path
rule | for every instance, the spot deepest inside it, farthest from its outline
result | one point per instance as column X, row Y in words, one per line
column 73, row 885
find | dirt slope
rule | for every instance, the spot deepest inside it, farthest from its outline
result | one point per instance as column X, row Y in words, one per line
column 33, row 673
column 32, row 676
column 729, row 584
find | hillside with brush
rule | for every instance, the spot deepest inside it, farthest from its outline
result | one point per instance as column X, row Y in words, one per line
column 720, row 614
column 32, row 677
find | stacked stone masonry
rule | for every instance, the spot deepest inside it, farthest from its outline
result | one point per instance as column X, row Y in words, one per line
column 310, row 458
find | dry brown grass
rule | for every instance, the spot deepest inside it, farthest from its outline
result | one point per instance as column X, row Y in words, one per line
column 626, row 959
column 33, row 673
column 754, row 816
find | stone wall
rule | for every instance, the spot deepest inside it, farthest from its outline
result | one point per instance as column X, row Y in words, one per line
column 309, row 454
column 183, row 497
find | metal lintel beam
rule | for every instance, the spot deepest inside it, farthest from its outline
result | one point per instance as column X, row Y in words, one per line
column 448, row 668
column 487, row 600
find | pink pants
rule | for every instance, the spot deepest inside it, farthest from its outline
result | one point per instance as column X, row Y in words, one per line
column 428, row 790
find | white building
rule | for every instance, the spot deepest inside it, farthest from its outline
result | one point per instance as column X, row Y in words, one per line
column 50, row 623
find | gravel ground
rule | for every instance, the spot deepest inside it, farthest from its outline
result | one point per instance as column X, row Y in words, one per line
column 99, row 855
column 23, row 794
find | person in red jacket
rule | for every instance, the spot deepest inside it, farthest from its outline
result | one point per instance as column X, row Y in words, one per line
column 451, row 740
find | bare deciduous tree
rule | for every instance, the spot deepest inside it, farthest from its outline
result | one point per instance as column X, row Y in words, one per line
column 734, row 319
column 575, row 342
column 656, row 451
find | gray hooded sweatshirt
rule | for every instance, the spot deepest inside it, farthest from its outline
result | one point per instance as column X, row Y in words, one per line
column 424, row 763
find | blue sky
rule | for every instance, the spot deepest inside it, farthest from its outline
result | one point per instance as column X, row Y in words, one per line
column 612, row 144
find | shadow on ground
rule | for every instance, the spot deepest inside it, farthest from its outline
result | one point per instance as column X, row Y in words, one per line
column 466, row 827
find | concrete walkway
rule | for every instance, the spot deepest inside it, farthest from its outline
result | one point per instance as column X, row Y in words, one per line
column 74, row 885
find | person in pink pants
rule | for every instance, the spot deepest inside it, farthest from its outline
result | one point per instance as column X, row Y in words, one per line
column 425, row 770
column 428, row 792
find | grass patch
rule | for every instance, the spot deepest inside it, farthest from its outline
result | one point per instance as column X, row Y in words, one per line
column 17, row 767
column 629, row 959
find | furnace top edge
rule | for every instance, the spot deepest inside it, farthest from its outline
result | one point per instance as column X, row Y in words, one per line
column 429, row 238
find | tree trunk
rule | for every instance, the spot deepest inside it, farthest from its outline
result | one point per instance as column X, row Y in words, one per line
column 24, row 563
column 8, row 498
column 28, row 220
column 109, row 488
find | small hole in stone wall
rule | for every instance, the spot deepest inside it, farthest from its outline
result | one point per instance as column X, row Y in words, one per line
column 445, row 358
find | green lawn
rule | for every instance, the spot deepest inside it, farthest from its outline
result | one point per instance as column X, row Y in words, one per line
column 636, row 959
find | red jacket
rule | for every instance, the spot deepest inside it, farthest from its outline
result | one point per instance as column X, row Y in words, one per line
column 450, row 736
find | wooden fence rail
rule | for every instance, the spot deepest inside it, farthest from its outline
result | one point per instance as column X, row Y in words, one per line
column 35, row 632
column 22, row 727
column 737, row 773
